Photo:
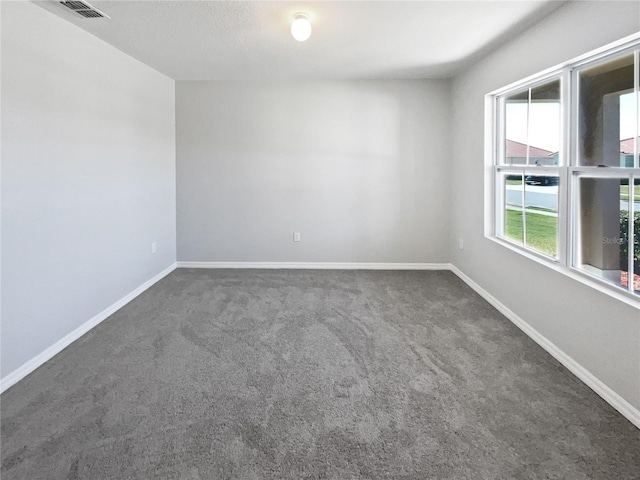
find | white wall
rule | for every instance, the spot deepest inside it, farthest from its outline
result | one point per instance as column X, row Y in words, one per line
column 88, row 178
column 599, row 332
column 356, row 167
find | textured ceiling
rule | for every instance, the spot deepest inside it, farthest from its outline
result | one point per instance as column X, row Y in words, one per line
column 239, row 40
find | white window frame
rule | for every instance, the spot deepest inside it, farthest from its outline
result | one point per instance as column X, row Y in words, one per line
column 568, row 169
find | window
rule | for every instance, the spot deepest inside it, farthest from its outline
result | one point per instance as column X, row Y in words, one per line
column 565, row 163
column 528, row 169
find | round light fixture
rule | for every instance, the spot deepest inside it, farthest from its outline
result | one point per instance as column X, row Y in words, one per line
column 301, row 27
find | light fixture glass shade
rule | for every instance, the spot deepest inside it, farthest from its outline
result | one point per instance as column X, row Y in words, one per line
column 301, row 27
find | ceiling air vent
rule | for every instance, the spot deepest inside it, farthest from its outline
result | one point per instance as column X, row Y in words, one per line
column 84, row 9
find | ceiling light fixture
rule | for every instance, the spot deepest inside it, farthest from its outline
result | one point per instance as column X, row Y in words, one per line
column 301, row 27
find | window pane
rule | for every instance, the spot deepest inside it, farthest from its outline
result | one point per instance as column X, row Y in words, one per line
column 513, row 192
column 541, row 213
column 516, row 115
column 603, row 232
column 627, row 129
column 544, row 124
column 607, row 114
column 532, row 126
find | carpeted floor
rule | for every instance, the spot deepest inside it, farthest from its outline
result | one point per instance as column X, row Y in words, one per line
column 216, row 374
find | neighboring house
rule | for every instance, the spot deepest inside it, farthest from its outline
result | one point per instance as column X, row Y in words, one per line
column 516, row 154
column 626, row 152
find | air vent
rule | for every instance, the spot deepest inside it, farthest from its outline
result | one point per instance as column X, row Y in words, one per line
column 84, row 9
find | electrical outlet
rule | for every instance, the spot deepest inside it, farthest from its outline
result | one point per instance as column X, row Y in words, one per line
column 461, row 244
column 154, row 247
column 296, row 236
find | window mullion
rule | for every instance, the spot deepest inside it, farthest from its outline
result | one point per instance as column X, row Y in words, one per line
column 564, row 189
column 636, row 84
column 498, row 157
column 630, row 234
column 524, row 207
column 528, row 149
column 636, row 163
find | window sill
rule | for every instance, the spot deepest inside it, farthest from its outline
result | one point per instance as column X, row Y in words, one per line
column 571, row 272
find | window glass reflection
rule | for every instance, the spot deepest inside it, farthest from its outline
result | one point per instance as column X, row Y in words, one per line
column 608, row 120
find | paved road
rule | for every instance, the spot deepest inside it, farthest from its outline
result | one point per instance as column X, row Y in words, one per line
column 625, row 206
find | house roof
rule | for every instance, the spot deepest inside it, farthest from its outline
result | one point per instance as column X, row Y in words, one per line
column 517, row 149
column 626, row 145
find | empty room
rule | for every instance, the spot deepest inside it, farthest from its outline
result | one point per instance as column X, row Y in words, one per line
column 320, row 239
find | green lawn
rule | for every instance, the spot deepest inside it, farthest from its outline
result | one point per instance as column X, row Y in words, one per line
column 624, row 193
column 541, row 230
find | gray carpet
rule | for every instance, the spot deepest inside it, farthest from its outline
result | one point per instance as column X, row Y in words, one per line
column 215, row 374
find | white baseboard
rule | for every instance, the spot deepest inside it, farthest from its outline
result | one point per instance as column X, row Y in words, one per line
column 318, row 265
column 28, row 367
column 611, row 397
